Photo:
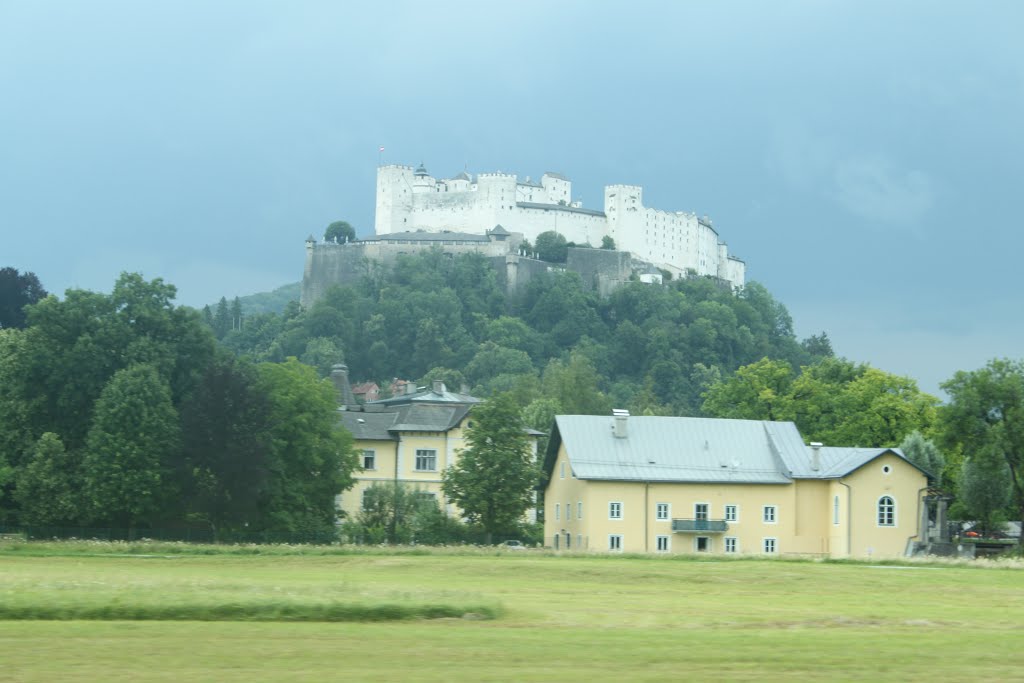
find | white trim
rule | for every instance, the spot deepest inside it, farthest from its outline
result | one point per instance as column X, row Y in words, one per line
column 615, row 543
column 835, row 510
column 774, row 543
column 707, row 544
column 558, row 512
column 612, row 509
column 774, row 514
column 657, row 512
column 735, row 545
column 668, row 544
column 878, row 512
column 707, row 510
column 579, row 510
column 736, row 513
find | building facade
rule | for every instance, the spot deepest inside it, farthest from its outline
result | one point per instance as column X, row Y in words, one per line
column 698, row 485
column 678, row 242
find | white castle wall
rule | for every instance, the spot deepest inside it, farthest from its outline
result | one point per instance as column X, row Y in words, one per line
column 679, row 242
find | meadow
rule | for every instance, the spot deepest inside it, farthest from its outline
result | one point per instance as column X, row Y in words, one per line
column 156, row 612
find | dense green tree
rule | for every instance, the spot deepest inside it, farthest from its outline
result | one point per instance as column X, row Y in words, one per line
column 48, row 485
column 551, row 246
column 322, row 354
column 223, row 469
column 760, row 391
column 985, row 414
column 339, row 231
column 135, row 435
column 311, row 458
column 17, row 290
column 495, row 476
column 575, row 385
column 923, row 453
column 492, row 360
column 222, row 318
column 985, row 489
column 393, row 512
column 607, row 243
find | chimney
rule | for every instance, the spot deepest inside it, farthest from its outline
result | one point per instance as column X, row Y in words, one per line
column 339, row 378
column 620, row 418
column 410, row 388
column 815, row 456
column 438, row 387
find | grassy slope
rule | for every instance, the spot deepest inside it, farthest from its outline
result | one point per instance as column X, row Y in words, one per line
column 566, row 618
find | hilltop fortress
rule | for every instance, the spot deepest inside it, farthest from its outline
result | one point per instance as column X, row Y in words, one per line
column 494, row 212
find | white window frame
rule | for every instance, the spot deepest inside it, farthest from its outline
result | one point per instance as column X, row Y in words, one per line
column 835, row 510
column 888, row 511
column 579, row 510
column 771, row 541
column 422, row 454
column 660, row 508
column 561, row 470
column 731, row 544
column 706, row 512
column 735, row 513
column 558, row 512
column 371, row 455
column 615, row 543
column 660, row 541
column 615, row 510
column 568, row 511
column 707, row 544
column 770, row 514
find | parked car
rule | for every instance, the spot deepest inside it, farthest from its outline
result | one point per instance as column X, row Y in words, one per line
column 513, row 545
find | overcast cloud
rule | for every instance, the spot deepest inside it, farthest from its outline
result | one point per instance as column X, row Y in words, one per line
column 864, row 158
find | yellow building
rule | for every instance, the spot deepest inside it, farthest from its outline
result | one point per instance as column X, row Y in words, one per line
column 696, row 485
column 410, row 438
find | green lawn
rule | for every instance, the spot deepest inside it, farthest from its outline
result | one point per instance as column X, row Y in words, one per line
column 556, row 618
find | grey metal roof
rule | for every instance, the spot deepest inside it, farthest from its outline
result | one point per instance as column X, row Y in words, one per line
column 426, row 396
column 557, row 176
column 368, row 426
column 427, row 417
column 683, row 449
column 529, row 183
column 835, row 462
column 559, row 207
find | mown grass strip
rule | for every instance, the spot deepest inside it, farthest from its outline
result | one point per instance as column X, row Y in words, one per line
column 262, row 611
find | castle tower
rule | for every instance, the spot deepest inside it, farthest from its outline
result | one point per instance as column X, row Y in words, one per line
column 624, row 208
column 394, row 198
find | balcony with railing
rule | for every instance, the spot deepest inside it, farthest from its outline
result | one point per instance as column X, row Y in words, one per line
column 699, row 525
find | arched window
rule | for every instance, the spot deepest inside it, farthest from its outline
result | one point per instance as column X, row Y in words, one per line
column 886, row 511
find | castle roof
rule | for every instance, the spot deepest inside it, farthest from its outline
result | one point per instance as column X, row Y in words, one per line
column 498, row 230
column 556, row 176
column 462, row 176
column 559, row 207
column 427, row 237
column 421, row 170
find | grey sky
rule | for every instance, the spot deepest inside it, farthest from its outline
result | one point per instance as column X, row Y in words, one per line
column 864, row 158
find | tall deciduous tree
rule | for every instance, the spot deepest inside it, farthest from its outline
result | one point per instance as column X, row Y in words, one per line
column 494, row 478
column 985, row 413
column 985, row 488
column 129, row 451
column 223, row 469
column 551, row 246
column 47, row 485
column 17, row 290
column 311, row 456
column 339, row 231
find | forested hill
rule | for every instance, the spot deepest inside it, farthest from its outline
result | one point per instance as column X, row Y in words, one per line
column 649, row 348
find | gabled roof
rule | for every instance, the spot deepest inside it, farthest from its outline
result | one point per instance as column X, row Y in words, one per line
column 699, row 450
column 426, row 396
column 835, row 462
column 683, row 449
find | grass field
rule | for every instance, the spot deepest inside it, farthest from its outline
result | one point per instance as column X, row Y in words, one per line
column 526, row 616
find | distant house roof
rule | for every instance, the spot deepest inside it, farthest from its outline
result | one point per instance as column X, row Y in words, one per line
column 431, row 410
column 498, row 230
column 462, row 176
column 432, row 394
column 557, row 176
column 698, row 450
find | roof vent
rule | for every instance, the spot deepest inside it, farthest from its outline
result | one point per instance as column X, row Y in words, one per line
column 620, row 418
